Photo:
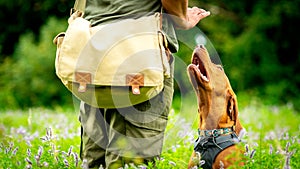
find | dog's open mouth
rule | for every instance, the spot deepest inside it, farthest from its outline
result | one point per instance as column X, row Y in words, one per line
column 201, row 68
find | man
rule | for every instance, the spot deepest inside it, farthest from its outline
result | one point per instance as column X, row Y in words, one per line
column 114, row 137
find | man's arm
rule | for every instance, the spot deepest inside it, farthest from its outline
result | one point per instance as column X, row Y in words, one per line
column 184, row 17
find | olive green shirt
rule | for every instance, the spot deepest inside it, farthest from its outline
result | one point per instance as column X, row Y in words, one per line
column 104, row 11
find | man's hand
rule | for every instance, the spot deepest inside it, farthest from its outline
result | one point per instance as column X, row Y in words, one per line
column 194, row 15
column 184, row 17
column 191, row 19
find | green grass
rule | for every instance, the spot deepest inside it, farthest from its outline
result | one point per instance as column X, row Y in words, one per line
column 43, row 138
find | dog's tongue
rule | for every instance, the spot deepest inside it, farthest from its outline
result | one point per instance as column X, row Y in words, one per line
column 197, row 61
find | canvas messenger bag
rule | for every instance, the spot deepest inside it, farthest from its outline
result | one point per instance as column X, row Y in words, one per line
column 113, row 65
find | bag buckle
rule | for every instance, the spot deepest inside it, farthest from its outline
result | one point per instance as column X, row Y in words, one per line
column 135, row 80
column 83, row 79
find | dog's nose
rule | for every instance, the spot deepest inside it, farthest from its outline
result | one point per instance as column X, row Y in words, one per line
column 201, row 46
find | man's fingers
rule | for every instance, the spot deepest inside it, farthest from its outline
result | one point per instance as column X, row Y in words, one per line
column 194, row 15
column 197, row 12
column 202, row 10
column 205, row 14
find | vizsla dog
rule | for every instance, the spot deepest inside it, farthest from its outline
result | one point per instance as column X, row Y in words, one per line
column 219, row 126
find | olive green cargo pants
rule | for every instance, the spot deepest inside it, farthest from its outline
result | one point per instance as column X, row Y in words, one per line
column 115, row 137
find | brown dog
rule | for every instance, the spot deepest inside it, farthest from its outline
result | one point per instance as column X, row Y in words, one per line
column 219, row 126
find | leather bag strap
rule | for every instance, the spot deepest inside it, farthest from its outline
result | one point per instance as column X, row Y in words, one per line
column 80, row 5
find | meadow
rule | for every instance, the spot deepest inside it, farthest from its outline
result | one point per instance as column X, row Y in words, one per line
column 44, row 138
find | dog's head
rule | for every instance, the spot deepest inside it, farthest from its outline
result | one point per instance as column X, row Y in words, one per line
column 205, row 74
column 217, row 101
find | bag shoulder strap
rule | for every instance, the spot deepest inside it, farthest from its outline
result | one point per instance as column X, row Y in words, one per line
column 80, row 5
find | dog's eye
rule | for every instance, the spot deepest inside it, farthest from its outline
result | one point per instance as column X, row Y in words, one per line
column 220, row 67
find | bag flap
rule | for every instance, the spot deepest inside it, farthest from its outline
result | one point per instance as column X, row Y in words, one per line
column 119, row 52
column 111, row 52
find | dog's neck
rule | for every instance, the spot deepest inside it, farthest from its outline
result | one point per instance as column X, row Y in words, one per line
column 214, row 111
column 209, row 111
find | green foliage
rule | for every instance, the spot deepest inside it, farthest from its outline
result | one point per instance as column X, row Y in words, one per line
column 257, row 44
column 42, row 138
column 20, row 16
column 256, row 40
column 37, row 139
column 28, row 79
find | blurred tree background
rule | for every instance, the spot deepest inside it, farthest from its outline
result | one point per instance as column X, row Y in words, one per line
column 257, row 41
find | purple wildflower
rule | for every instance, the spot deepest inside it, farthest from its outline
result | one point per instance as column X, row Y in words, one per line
column 64, row 153
column 140, row 167
column 40, row 151
column 172, row 163
column 287, row 162
column 75, row 159
column 28, row 152
column 70, row 151
column 49, row 135
column 66, row 162
column 28, row 143
column 286, row 136
column 246, row 149
column 21, row 130
column 8, row 149
column 45, row 164
column 49, row 132
column 56, row 158
column 160, row 159
column 28, row 166
column 15, row 151
column 28, row 161
column 44, row 138
column 287, row 147
column 271, row 149
column 252, row 153
column 38, row 156
column 37, row 159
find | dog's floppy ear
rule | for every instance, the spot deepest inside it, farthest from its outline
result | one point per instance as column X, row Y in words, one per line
column 232, row 109
column 233, row 112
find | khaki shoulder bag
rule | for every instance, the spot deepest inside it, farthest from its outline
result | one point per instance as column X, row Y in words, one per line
column 113, row 65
